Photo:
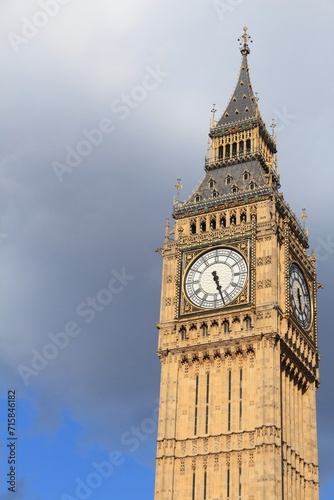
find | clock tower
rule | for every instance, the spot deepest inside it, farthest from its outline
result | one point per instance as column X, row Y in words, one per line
column 238, row 341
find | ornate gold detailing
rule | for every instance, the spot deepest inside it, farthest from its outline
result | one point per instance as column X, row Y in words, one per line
column 187, row 308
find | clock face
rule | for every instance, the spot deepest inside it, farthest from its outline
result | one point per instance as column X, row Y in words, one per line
column 299, row 296
column 216, row 278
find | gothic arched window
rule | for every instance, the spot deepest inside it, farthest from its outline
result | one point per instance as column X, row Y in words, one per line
column 213, row 223
column 226, row 326
column 248, row 323
column 183, row 333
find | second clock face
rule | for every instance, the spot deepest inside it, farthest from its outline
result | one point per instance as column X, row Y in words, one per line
column 299, row 296
column 216, row 278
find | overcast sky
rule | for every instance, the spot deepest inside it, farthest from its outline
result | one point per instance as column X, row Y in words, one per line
column 104, row 104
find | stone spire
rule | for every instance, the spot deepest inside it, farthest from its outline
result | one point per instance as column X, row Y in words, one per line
column 243, row 103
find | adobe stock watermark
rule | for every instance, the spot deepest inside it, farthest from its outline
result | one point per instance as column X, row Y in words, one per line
column 136, row 435
column 282, row 119
column 324, row 249
column 87, row 310
column 121, row 107
column 131, row 440
column 225, row 7
column 30, row 28
column 101, row 471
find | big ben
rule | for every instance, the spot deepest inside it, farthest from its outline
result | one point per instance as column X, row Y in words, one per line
column 238, row 339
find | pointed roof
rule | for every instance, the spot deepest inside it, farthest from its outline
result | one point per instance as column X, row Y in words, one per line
column 243, row 103
column 238, row 181
column 241, row 163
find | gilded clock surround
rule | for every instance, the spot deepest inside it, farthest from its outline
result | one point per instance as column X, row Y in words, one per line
column 190, row 256
column 237, row 412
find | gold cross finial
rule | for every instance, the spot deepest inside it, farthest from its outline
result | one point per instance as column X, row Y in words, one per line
column 244, row 39
column 245, row 36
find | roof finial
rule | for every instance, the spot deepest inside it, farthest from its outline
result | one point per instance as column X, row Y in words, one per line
column 304, row 217
column 178, row 186
column 273, row 126
column 212, row 119
column 213, row 111
column 244, row 49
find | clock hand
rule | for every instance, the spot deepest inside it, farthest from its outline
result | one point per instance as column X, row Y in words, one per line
column 299, row 299
column 219, row 288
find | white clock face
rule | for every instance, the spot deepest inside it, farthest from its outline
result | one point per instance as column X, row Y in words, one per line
column 216, row 278
column 299, row 296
